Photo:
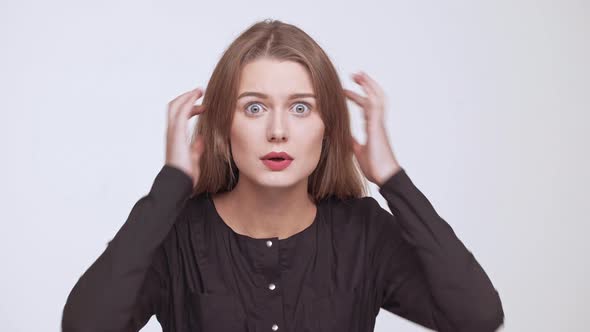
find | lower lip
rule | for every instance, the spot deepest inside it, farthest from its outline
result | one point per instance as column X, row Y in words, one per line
column 277, row 165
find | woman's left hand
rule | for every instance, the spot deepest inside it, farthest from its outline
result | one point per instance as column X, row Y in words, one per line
column 376, row 158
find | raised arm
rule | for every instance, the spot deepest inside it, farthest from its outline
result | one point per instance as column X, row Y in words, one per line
column 107, row 296
column 425, row 272
column 122, row 289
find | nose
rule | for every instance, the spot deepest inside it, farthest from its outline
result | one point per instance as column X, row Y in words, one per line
column 278, row 137
column 277, row 130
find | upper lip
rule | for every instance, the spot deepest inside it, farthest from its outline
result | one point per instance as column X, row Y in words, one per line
column 281, row 154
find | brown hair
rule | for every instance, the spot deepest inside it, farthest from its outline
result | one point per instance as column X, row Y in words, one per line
column 337, row 173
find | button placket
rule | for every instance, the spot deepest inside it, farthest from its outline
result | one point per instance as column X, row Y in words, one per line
column 272, row 273
column 272, row 286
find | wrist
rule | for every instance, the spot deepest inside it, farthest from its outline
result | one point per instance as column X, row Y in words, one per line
column 387, row 173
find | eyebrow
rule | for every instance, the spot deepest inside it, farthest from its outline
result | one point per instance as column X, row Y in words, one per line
column 265, row 96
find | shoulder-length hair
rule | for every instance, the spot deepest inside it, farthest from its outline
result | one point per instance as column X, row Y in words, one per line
column 337, row 173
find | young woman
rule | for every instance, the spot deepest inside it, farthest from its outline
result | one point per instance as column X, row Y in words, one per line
column 261, row 221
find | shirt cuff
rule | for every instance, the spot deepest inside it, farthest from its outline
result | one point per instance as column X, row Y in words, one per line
column 395, row 182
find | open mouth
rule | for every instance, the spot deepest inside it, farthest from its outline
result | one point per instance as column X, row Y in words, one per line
column 277, row 164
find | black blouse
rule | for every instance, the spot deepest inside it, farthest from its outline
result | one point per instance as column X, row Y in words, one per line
column 176, row 258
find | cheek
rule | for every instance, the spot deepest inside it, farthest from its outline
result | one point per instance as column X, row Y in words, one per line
column 239, row 145
column 313, row 145
column 243, row 143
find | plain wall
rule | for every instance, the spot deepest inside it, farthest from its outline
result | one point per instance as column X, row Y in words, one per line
column 488, row 107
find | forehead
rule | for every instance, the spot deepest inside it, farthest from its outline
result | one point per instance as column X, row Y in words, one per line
column 276, row 78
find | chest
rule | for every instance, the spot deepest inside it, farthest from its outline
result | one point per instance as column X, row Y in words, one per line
column 341, row 310
column 319, row 280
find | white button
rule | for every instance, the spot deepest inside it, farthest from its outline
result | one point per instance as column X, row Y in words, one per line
column 269, row 243
column 275, row 327
column 271, row 286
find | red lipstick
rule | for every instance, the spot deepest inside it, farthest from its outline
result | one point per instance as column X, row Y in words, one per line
column 277, row 161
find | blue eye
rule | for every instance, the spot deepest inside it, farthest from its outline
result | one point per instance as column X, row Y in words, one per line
column 256, row 110
column 306, row 105
column 253, row 103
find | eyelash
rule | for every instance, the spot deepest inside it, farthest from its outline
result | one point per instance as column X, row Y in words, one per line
column 299, row 114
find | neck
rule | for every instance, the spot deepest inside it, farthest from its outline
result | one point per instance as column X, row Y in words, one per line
column 262, row 212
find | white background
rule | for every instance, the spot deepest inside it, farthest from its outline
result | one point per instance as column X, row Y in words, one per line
column 488, row 113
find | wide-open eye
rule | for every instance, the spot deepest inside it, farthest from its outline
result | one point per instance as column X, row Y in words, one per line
column 253, row 110
column 302, row 107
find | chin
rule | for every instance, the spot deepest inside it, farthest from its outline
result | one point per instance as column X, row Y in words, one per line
column 276, row 179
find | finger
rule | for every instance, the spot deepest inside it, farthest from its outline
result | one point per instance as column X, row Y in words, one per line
column 177, row 113
column 197, row 109
column 356, row 146
column 373, row 85
column 187, row 106
column 182, row 98
column 363, row 102
column 198, row 145
column 362, row 81
column 189, row 101
column 355, row 97
column 175, row 106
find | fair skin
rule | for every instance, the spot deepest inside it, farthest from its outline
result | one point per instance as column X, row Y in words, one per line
column 267, row 203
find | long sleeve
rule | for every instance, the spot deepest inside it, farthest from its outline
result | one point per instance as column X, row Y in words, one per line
column 426, row 273
column 121, row 290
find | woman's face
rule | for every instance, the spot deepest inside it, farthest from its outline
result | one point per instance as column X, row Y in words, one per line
column 269, row 119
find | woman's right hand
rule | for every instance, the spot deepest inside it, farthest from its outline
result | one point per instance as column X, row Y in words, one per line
column 180, row 153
